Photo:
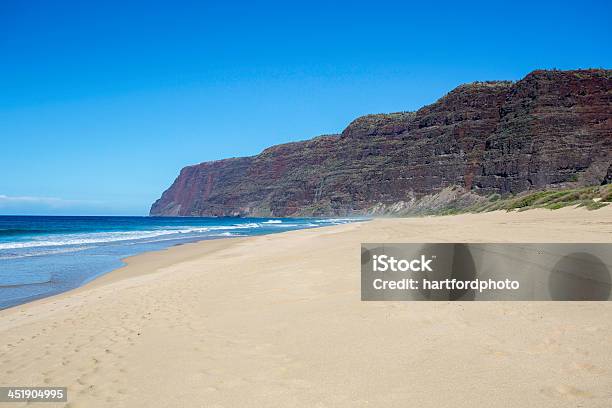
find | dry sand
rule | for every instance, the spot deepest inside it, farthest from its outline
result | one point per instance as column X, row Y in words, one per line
column 277, row 321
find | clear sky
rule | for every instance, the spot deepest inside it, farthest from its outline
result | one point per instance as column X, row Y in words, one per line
column 102, row 105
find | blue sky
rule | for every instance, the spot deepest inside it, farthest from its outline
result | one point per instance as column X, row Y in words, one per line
column 102, row 104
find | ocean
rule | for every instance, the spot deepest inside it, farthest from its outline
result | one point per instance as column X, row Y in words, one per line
column 42, row 255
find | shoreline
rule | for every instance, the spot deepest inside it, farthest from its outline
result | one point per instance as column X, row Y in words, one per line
column 159, row 258
column 83, row 268
column 165, row 257
column 276, row 320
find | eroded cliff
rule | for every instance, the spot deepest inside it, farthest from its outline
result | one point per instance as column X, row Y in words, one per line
column 552, row 129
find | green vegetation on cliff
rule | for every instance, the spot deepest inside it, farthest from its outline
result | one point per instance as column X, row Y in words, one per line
column 592, row 198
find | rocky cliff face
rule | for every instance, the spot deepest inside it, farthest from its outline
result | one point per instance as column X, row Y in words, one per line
column 550, row 129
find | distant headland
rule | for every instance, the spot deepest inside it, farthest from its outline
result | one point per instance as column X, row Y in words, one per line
column 549, row 130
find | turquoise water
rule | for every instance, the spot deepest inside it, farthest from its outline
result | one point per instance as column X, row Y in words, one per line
column 41, row 256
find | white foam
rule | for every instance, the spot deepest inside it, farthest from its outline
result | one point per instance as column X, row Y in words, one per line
column 81, row 239
column 336, row 221
column 44, row 252
column 105, row 237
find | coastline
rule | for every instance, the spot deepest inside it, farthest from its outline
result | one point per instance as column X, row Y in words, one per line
column 276, row 320
column 44, row 255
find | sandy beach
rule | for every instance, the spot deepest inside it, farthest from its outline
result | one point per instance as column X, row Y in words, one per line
column 277, row 321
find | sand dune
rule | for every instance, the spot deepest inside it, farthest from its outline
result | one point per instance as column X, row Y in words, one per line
column 277, row 321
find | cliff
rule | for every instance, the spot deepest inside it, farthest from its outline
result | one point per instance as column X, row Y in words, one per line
column 552, row 129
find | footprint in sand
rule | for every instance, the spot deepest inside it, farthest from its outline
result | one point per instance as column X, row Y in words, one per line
column 498, row 353
column 565, row 391
column 584, row 368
